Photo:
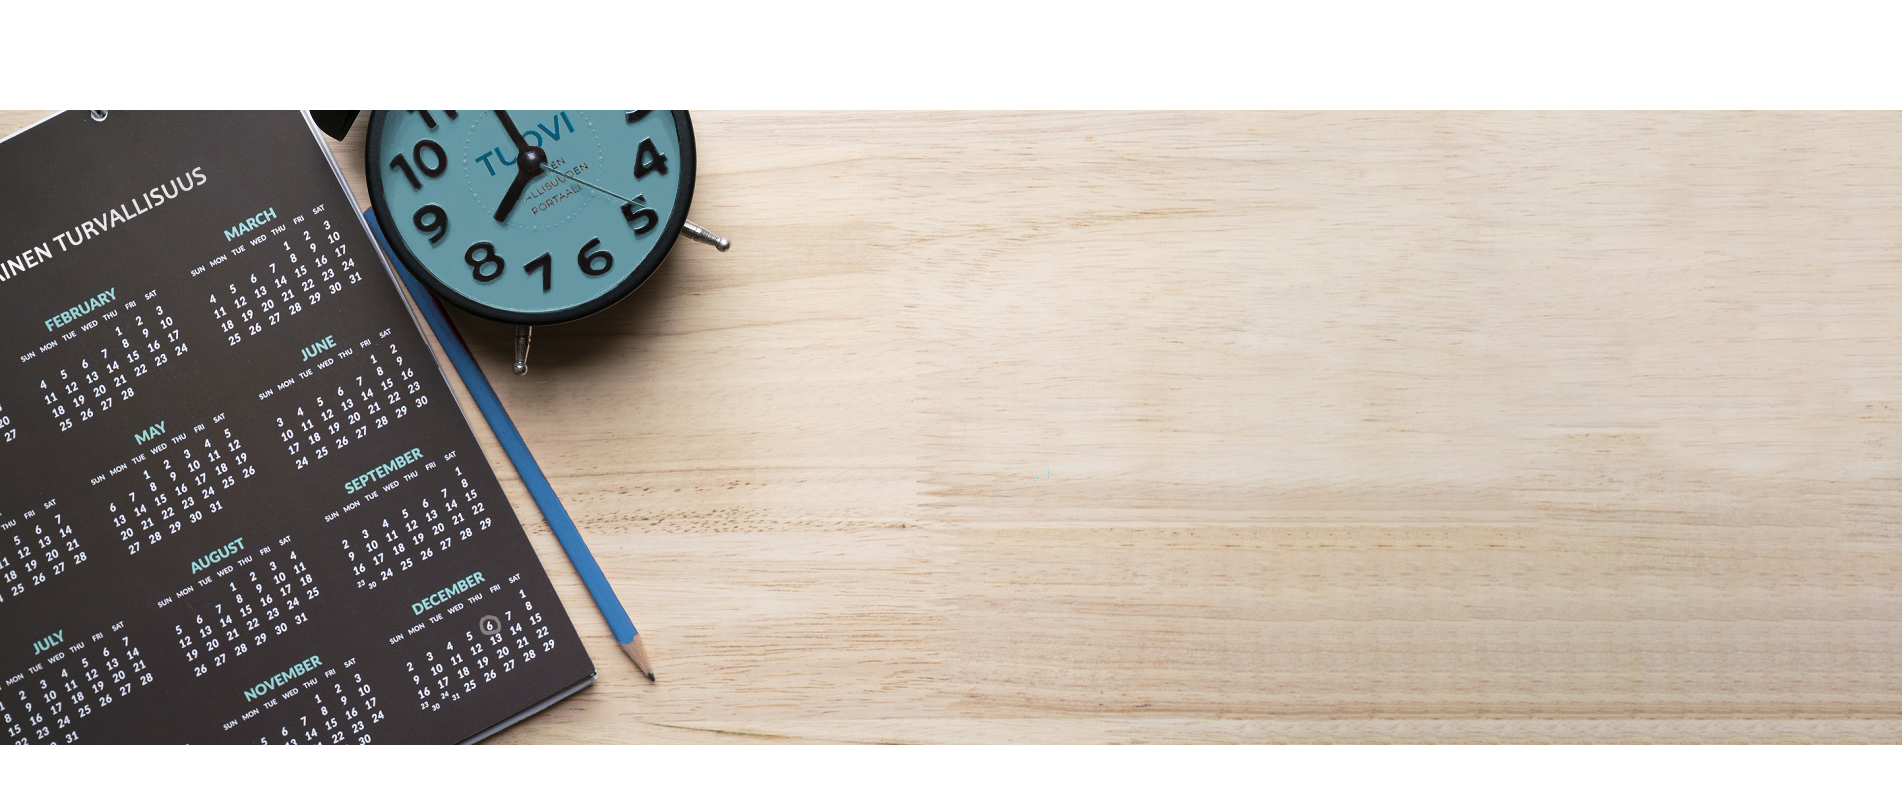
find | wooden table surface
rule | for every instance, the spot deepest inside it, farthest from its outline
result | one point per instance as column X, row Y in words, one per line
column 1243, row 428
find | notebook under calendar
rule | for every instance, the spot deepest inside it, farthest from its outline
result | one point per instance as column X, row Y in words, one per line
column 238, row 502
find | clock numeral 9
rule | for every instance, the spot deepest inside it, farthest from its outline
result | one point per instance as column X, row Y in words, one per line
column 437, row 226
column 489, row 257
column 644, row 220
column 647, row 159
column 442, row 163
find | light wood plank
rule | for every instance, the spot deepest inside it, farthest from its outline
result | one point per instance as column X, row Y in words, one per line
column 1244, row 427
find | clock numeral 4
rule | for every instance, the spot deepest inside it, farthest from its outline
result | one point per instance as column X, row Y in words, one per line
column 442, row 163
column 647, row 159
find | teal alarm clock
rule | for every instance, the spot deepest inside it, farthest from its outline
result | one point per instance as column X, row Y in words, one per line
column 532, row 217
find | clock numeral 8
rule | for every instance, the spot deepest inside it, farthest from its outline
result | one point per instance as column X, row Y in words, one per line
column 489, row 257
column 442, row 162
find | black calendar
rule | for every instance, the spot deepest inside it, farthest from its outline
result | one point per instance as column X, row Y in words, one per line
column 238, row 502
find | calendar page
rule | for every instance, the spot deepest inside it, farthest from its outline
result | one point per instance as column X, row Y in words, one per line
column 238, row 501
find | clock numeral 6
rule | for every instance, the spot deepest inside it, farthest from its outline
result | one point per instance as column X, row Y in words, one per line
column 442, row 163
column 438, row 224
column 588, row 261
column 489, row 256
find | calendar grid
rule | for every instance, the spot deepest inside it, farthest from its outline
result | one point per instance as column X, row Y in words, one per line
column 236, row 473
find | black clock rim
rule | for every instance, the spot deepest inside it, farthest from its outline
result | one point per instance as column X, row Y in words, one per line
column 669, row 233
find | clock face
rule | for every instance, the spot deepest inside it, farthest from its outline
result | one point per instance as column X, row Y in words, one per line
column 493, row 211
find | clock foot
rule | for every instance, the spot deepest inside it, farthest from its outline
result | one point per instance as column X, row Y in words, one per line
column 522, row 335
column 704, row 236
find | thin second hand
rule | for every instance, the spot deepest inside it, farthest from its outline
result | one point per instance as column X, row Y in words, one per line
column 559, row 174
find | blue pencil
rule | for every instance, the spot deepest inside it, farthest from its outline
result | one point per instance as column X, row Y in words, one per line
column 531, row 472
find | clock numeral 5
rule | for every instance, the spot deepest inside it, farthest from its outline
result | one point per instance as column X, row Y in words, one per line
column 489, row 256
column 442, row 163
column 644, row 220
column 438, row 224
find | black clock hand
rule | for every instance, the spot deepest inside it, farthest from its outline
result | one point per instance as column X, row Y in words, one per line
column 515, row 136
column 528, row 163
column 514, row 193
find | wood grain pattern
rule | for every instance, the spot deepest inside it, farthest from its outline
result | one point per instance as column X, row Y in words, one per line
column 1244, row 427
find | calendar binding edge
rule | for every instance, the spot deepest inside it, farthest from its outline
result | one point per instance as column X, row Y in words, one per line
column 532, row 710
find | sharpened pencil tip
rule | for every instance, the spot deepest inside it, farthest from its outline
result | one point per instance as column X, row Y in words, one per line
column 637, row 653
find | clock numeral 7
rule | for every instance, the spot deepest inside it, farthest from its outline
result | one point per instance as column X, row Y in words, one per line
column 424, row 146
column 546, row 264
column 592, row 264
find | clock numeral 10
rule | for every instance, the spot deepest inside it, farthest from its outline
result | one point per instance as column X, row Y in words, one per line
column 442, row 163
column 592, row 264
